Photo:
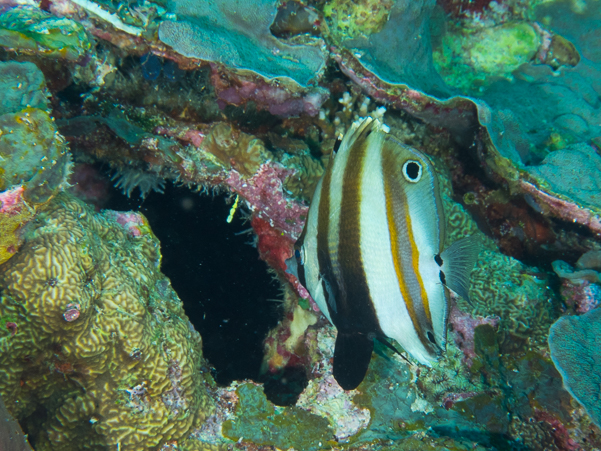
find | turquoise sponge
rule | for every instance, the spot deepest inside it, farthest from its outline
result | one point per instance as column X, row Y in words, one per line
column 574, row 344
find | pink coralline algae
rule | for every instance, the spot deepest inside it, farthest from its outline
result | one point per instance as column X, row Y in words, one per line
column 132, row 222
column 275, row 248
column 185, row 134
column 265, row 196
column 582, row 297
column 560, row 433
column 463, row 325
column 278, row 101
column 11, row 201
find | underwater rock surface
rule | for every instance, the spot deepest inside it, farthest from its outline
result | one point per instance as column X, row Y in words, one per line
column 96, row 351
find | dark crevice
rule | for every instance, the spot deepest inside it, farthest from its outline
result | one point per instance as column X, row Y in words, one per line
column 284, row 388
column 224, row 286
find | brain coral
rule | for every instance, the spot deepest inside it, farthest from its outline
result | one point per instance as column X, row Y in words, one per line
column 99, row 353
column 519, row 295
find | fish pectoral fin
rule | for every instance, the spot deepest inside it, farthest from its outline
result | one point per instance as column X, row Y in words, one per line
column 351, row 358
column 457, row 263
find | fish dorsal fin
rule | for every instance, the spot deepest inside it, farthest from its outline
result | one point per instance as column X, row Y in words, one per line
column 457, row 263
column 351, row 358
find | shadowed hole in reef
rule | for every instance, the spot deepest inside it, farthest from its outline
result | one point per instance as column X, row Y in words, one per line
column 224, row 286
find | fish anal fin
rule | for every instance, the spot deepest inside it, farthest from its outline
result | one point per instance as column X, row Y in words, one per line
column 457, row 263
column 351, row 359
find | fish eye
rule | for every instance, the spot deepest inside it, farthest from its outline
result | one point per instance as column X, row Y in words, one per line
column 412, row 171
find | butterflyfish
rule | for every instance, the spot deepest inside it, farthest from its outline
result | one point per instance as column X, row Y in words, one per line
column 371, row 253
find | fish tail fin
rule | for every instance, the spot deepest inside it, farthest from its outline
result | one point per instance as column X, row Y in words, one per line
column 457, row 263
column 351, row 359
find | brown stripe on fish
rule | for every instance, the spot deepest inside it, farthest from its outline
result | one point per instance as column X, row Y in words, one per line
column 356, row 309
column 405, row 258
column 323, row 256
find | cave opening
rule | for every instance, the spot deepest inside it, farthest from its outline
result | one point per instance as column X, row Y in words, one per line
column 227, row 292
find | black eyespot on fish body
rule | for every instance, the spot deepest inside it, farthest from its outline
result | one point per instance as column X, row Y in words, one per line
column 443, row 279
column 438, row 260
column 430, row 336
column 412, row 171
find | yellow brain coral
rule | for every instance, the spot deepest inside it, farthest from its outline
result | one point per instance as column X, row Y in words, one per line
column 95, row 348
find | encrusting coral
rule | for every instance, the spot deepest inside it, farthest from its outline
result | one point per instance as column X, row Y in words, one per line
column 519, row 295
column 99, row 340
column 236, row 149
column 34, row 161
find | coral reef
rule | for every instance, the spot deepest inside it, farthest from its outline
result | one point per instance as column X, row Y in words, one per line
column 572, row 174
column 101, row 338
column 348, row 19
column 32, row 153
column 95, row 349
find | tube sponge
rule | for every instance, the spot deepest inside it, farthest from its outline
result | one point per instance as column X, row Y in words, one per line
column 574, row 344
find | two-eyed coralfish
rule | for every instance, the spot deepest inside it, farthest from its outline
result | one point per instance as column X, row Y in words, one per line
column 371, row 254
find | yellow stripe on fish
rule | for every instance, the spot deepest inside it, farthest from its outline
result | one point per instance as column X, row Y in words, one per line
column 371, row 253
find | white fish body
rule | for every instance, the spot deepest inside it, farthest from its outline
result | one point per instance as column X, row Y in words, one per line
column 371, row 251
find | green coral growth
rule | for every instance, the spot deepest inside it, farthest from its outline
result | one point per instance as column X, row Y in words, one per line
column 22, row 85
column 33, row 154
column 470, row 59
column 34, row 32
column 262, row 423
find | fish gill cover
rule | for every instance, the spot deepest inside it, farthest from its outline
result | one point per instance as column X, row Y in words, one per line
column 242, row 100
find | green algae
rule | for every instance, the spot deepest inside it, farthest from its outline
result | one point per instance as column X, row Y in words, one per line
column 262, row 423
